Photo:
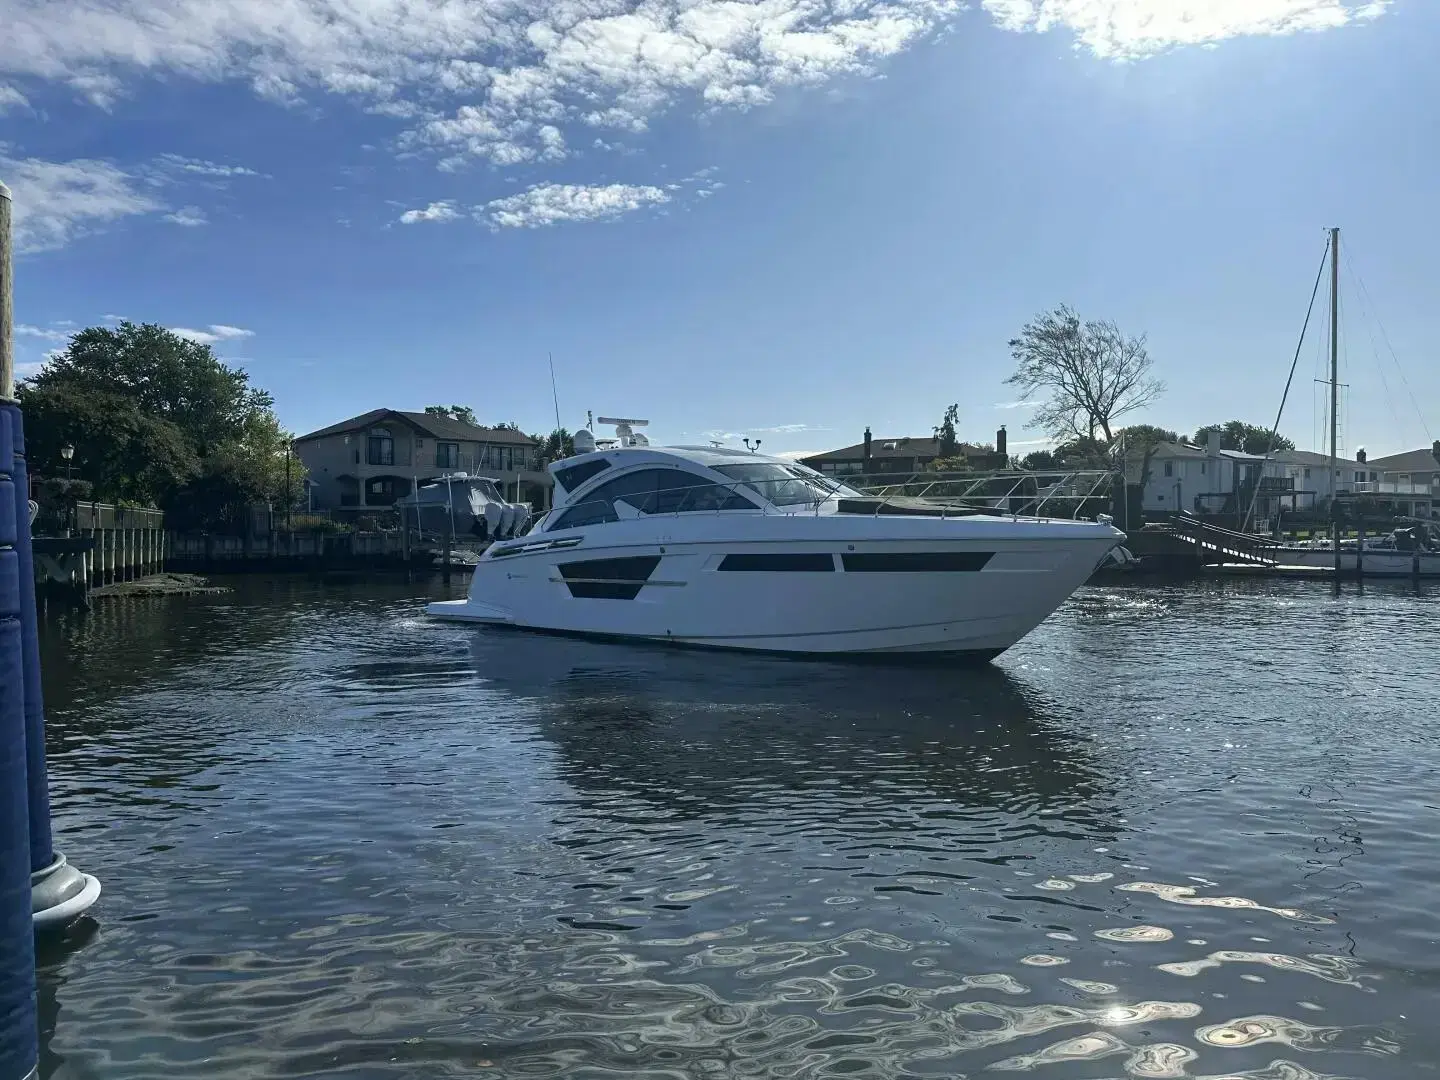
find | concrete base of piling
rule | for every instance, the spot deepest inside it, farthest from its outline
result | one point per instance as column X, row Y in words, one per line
column 60, row 894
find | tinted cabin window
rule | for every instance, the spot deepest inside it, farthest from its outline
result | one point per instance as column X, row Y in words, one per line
column 651, row 491
column 776, row 483
column 575, row 475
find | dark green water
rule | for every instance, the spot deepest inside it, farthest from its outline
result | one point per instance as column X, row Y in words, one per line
column 1178, row 832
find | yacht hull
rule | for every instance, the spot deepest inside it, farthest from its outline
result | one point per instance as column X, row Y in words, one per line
column 827, row 586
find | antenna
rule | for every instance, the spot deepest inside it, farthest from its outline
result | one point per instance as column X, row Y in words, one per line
column 553, row 392
column 625, row 430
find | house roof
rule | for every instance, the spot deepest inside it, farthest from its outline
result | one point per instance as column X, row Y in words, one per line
column 437, row 427
column 1410, row 461
column 904, row 447
column 1304, row 457
column 1185, row 450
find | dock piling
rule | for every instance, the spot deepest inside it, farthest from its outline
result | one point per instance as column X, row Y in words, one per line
column 19, row 1040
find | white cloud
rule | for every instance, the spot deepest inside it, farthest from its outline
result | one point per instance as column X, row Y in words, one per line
column 56, row 201
column 43, row 333
column 444, row 210
column 189, row 216
column 201, row 167
column 1016, row 405
column 511, row 81
column 216, row 333
column 751, row 432
column 555, row 204
column 788, row 429
column 1133, row 29
column 29, row 368
column 10, row 98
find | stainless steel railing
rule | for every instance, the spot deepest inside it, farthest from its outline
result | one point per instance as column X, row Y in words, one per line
column 1013, row 494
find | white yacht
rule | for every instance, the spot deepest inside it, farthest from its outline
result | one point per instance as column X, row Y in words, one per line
column 724, row 548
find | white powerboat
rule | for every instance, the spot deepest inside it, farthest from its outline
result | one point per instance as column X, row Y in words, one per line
column 724, row 548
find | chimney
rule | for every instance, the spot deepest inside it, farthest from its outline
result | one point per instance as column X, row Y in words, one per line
column 1360, row 455
column 867, row 443
column 1000, row 441
column 1435, row 450
column 1212, row 443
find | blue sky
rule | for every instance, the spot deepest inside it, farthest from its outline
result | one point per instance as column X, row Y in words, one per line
column 786, row 218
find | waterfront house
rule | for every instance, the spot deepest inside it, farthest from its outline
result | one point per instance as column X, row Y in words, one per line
column 907, row 454
column 380, row 456
column 1208, row 480
column 1409, row 482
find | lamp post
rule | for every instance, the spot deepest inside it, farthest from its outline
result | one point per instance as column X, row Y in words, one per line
column 67, row 452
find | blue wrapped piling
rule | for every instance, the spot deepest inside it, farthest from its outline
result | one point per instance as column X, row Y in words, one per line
column 19, row 1053
column 60, row 894
column 42, row 852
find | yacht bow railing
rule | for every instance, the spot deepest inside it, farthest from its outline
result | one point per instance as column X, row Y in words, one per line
column 1067, row 494
column 1059, row 494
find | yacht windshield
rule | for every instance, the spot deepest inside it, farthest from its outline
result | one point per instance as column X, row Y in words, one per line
column 780, row 485
column 828, row 485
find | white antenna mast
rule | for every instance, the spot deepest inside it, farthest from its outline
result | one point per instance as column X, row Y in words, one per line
column 554, row 394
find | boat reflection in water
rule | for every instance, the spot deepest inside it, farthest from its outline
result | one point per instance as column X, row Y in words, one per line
column 698, row 732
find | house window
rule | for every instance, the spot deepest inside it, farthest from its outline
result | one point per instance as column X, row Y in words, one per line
column 1307, row 474
column 499, row 457
column 384, row 490
column 1359, row 478
column 1202, row 468
column 1169, row 469
column 380, row 448
column 447, row 455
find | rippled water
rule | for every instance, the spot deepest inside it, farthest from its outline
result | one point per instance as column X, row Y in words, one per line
column 1178, row 832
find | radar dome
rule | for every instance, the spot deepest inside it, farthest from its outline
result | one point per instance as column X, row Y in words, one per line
column 584, row 441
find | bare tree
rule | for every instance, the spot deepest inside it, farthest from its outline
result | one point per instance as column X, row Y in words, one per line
column 1090, row 373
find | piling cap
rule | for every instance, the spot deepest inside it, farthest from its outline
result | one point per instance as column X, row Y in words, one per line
column 4, row 191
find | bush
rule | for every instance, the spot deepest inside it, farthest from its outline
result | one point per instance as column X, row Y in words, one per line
column 54, row 492
column 310, row 523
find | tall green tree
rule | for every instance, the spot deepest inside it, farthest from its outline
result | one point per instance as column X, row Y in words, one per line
column 1038, row 461
column 556, row 446
column 464, row 413
column 157, row 419
column 1086, row 375
column 946, row 434
column 123, row 453
column 168, row 377
column 1246, row 438
column 1141, row 441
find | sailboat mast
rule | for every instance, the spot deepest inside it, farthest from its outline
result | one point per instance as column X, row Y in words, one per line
column 1335, row 394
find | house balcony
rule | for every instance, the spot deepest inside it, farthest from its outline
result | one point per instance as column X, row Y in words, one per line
column 1398, row 488
column 427, row 462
